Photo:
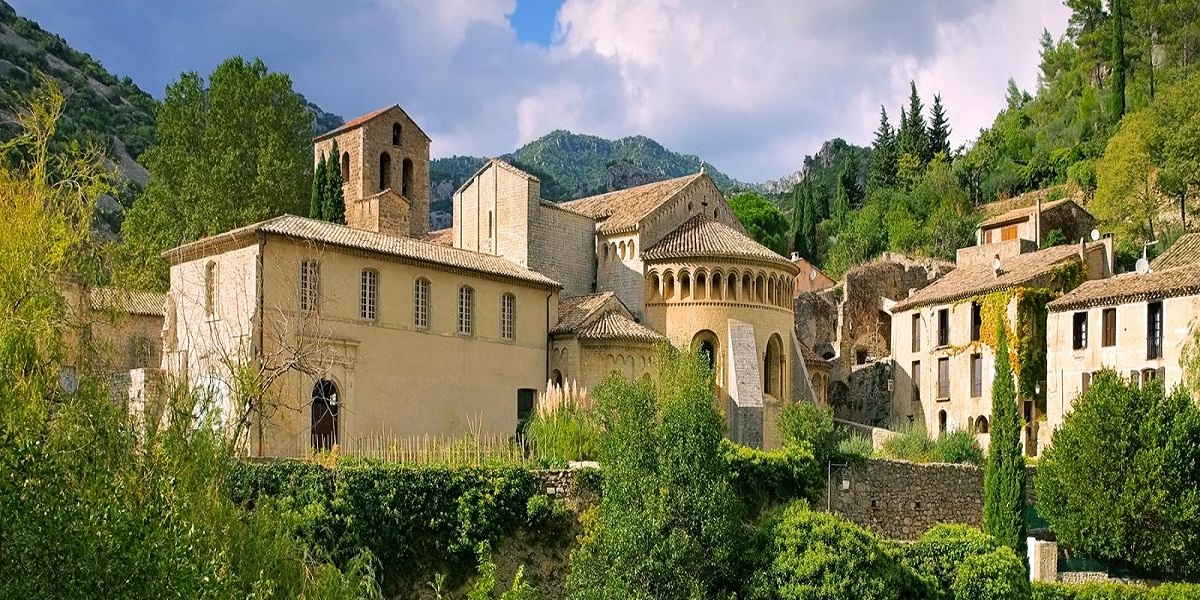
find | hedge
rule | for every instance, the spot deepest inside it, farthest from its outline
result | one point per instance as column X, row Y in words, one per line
column 1114, row 591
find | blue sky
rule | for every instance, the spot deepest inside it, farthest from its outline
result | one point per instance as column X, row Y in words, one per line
column 750, row 86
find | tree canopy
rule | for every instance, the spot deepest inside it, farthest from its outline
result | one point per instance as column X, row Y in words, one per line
column 762, row 220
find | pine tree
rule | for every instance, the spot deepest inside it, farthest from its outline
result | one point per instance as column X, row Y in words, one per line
column 316, row 204
column 914, row 139
column 809, row 221
column 883, row 155
column 1004, row 479
column 841, row 207
column 939, row 129
column 334, row 200
column 797, row 224
column 1117, row 57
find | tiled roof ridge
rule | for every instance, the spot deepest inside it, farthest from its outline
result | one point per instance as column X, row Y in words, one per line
column 1178, row 281
column 1185, row 250
column 703, row 236
column 614, row 324
column 138, row 302
column 622, row 210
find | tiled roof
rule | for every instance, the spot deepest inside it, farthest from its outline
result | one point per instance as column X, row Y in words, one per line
column 441, row 237
column 975, row 279
column 134, row 302
column 1185, row 251
column 300, row 228
column 573, row 312
column 704, row 236
column 614, row 325
column 811, row 357
column 1022, row 213
column 623, row 209
column 360, row 121
column 1132, row 287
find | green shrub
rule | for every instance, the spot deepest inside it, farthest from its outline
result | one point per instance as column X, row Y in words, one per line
column 542, row 510
column 806, row 423
column 1114, row 591
column 958, row 447
column 997, row 575
column 813, row 555
column 564, row 427
column 855, row 448
column 940, row 551
column 913, row 444
column 765, row 478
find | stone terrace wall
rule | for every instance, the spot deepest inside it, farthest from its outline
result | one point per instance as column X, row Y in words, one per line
column 902, row 500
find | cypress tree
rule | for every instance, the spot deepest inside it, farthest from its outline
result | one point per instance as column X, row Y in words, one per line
column 914, row 139
column 939, row 129
column 335, row 202
column 1117, row 56
column 809, row 222
column 1004, row 479
column 797, row 224
column 883, row 155
column 841, row 207
column 316, row 203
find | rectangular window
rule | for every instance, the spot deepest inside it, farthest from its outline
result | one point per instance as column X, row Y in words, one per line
column 943, row 378
column 139, row 351
column 1154, row 330
column 466, row 310
column 916, row 381
column 421, row 303
column 1079, row 330
column 976, row 321
column 368, row 294
column 944, row 327
column 1109, row 318
column 310, row 284
column 976, row 376
column 1008, row 233
column 916, row 332
column 508, row 312
column 987, row 236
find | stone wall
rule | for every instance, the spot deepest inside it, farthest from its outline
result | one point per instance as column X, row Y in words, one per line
column 902, row 500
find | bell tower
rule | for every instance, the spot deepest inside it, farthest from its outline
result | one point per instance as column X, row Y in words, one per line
column 385, row 171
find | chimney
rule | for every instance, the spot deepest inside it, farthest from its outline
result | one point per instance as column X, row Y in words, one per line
column 795, row 256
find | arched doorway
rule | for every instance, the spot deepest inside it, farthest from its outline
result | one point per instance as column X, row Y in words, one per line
column 981, row 425
column 773, row 367
column 324, row 432
column 705, row 343
column 941, row 422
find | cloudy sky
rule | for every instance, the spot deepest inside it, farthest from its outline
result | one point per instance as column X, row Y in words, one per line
column 751, row 86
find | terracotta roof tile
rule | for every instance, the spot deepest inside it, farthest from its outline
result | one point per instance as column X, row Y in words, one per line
column 811, row 356
column 291, row 226
column 574, row 312
column 622, row 210
column 134, row 302
column 614, row 325
column 1132, row 287
column 441, row 237
column 1185, row 251
column 975, row 279
column 704, row 236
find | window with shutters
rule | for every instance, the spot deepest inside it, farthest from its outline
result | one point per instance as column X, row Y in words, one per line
column 943, row 327
column 508, row 316
column 943, row 378
column 1154, row 330
column 310, row 285
column 976, row 376
column 1109, row 318
column 976, row 321
column 916, row 332
column 421, row 303
column 916, row 381
column 368, row 294
column 1079, row 330
column 466, row 310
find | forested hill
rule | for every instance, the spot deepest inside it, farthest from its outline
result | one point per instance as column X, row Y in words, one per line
column 572, row 165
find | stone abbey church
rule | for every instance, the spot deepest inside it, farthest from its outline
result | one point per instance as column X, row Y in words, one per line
column 381, row 327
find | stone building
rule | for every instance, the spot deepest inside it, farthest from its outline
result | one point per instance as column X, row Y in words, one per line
column 942, row 371
column 810, row 278
column 1034, row 218
column 380, row 327
column 1134, row 323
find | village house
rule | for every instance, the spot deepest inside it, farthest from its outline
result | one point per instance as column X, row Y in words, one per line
column 1037, row 222
column 943, row 364
column 380, row 327
column 1135, row 323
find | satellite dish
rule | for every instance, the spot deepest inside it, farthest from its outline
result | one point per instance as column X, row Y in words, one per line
column 996, row 264
column 1143, row 266
column 1095, row 235
column 812, row 275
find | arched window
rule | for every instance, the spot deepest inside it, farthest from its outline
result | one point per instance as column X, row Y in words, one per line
column 466, row 310
column 632, row 253
column 773, row 367
column 655, row 287
column 701, row 286
column 385, row 171
column 731, row 289
column 368, row 294
column 345, row 167
column 324, row 432
column 210, row 288
column 716, row 280
column 310, row 285
column 668, row 286
column 760, row 290
column 685, row 286
column 706, row 344
column 941, row 422
column 406, row 177
column 981, row 425
column 557, row 378
column 747, row 294
column 508, row 316
column 621, row 250
column 396, row 134
column 421, row 303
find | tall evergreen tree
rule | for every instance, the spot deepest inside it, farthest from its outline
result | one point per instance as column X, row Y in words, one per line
column 811, row 216
column 1117, row 59
column 841, row 207
column 316, row 203
column 334, row 200
column 939, row 129
column 883, row 155
column 798, row 219
column 1004, row 479
column 913, row 138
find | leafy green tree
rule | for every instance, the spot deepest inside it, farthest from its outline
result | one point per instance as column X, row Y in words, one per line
column 320, row 186
column 762, row 220
column 1121, row 482
column 883, row 155
column 228, row 153
column 806, row 424
column 335, row 200
column 997, row 575
column 669, row 524
column 1004, row 478
column 1177, row 114
column 939, row 129
column 1125, row 194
